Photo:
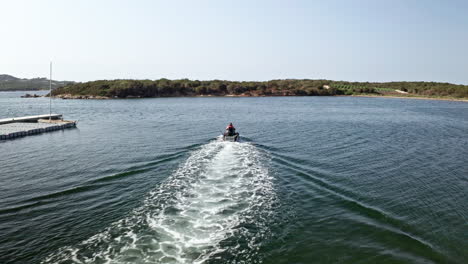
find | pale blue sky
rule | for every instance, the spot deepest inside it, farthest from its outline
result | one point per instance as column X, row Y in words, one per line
column 368, row 40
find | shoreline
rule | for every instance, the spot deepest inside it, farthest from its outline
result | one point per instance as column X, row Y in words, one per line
column 92, row 97
column 411, row 97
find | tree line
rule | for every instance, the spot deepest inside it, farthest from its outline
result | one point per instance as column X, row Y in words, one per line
column 287, row 87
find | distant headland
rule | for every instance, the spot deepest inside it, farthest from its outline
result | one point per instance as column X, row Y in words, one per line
column 12, row 83
column 106, row 89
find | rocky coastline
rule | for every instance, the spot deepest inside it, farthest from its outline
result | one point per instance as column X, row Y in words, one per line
column 94, row 97
column 71, row 96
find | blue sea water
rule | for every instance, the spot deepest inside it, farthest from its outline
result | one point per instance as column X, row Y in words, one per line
column 313, row 180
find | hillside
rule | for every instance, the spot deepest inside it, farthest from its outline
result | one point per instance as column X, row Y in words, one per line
column 288, row 87
column 11, row 83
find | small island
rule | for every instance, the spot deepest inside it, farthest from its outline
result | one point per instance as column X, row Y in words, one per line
column 107, row 89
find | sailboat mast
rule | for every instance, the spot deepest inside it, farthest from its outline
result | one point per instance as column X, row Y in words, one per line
column 50, row 92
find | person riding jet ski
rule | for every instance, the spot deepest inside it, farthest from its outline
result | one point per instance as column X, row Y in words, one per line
column 230, row 130
column 230, row 134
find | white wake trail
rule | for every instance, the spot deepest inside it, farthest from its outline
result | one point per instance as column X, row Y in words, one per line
column 221, row 194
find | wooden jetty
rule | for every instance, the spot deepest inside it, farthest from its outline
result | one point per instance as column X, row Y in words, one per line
column 30, row 125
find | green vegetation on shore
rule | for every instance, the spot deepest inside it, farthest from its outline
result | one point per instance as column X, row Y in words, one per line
column 288, row 87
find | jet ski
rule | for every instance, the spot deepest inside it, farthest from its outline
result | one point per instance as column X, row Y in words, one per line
column 230, row 134
column 231, row 137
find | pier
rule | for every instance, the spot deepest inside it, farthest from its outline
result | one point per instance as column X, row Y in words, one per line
column 29, row 125
column 29, row 118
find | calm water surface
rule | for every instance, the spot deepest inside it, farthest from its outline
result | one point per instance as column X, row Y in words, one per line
column 314, row 180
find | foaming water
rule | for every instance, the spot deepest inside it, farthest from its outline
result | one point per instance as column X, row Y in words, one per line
column 216, row 204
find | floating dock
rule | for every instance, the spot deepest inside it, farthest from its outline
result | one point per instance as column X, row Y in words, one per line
column 29, row 118
column 30, row 125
